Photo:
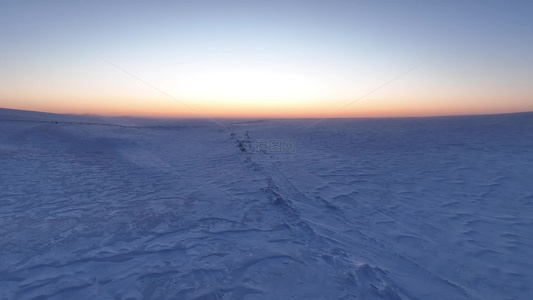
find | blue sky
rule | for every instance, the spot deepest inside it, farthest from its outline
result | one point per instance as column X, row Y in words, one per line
column 247, row 57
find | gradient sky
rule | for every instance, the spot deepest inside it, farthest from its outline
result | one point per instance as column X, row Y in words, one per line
column 267, row 58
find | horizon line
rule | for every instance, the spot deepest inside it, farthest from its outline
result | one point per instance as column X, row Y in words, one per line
column 263, row 117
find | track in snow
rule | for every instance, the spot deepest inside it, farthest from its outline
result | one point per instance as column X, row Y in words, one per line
column 365, row 209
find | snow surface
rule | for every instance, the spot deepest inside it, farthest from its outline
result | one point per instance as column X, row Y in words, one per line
column 124, row 208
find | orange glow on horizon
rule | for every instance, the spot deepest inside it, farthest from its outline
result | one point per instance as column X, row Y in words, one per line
column 365, row 108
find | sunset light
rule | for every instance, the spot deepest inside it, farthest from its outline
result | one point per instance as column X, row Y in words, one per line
column 266, row 58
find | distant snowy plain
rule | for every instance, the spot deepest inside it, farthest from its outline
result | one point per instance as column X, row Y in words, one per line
column 122, row 208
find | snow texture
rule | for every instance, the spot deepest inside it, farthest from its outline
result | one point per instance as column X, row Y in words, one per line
column 125, row 208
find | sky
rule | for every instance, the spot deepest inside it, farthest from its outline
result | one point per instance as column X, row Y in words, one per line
column 267, row 58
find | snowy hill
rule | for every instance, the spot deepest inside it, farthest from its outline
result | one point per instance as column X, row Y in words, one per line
column 124, row 208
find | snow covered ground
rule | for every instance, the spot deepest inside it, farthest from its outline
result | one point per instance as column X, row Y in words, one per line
column 123, row 208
